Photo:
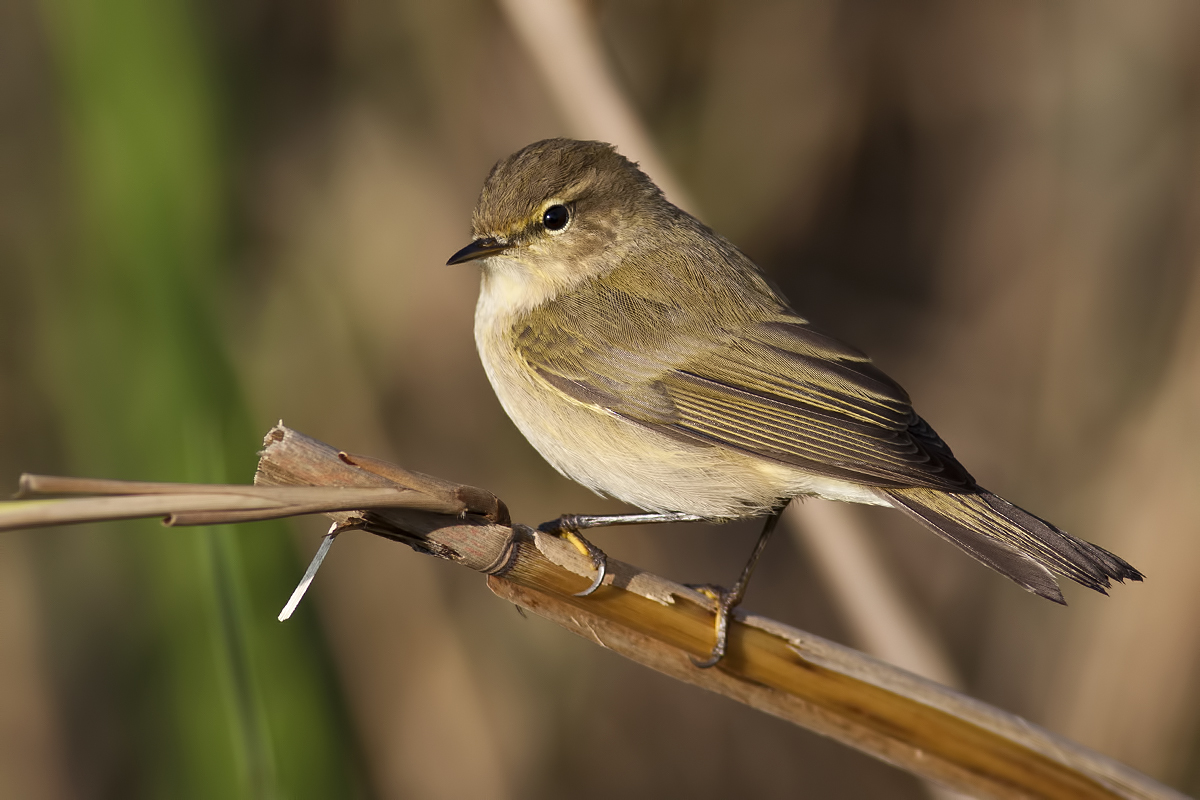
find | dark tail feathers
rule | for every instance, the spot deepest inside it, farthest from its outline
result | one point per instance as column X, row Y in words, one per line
column 1012, row 541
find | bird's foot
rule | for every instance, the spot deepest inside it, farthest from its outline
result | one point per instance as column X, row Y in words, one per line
column 726, row 600
column 566, row 527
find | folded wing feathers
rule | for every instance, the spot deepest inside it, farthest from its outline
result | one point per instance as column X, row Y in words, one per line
column 785, row 391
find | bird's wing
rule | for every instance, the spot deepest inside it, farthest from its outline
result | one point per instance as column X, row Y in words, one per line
column 774, row 387
column 788, row 392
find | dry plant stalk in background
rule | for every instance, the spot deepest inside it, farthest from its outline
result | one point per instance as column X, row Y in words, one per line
column 927, row 729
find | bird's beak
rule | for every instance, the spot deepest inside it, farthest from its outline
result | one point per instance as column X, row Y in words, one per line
column 480, row 248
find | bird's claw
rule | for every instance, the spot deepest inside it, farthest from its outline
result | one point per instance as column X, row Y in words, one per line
column 725, row 600
column 565, row 528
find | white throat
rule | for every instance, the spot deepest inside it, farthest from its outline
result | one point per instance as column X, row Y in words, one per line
column 508, row 288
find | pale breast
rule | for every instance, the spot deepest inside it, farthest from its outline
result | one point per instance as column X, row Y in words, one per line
column 616, row 456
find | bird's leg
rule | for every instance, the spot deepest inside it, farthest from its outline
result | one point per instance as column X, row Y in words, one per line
column 568, row 527
column 728, row 599
column 579, row 522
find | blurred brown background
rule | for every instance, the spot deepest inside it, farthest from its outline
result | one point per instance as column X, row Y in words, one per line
column 215, row 215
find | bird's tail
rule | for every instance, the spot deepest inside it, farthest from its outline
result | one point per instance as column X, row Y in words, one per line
column 1012, row 541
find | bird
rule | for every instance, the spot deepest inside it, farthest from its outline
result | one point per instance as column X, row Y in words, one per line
column 647, row 358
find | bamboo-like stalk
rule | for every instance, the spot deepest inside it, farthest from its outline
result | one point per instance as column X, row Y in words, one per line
column 927, row 729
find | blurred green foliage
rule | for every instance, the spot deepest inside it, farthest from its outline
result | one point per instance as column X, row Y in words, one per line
column 227, row 702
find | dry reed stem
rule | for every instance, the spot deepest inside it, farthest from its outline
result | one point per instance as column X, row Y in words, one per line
column 927, row 729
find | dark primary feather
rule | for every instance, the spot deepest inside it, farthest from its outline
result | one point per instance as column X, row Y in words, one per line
column 739, row 369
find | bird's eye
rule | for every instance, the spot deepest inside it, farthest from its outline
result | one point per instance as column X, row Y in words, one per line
column 556, row 218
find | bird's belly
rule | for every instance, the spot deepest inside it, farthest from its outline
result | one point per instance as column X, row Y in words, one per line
column 616, row 456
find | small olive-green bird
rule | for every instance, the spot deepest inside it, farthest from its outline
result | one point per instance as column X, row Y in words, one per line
column 647, row 358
